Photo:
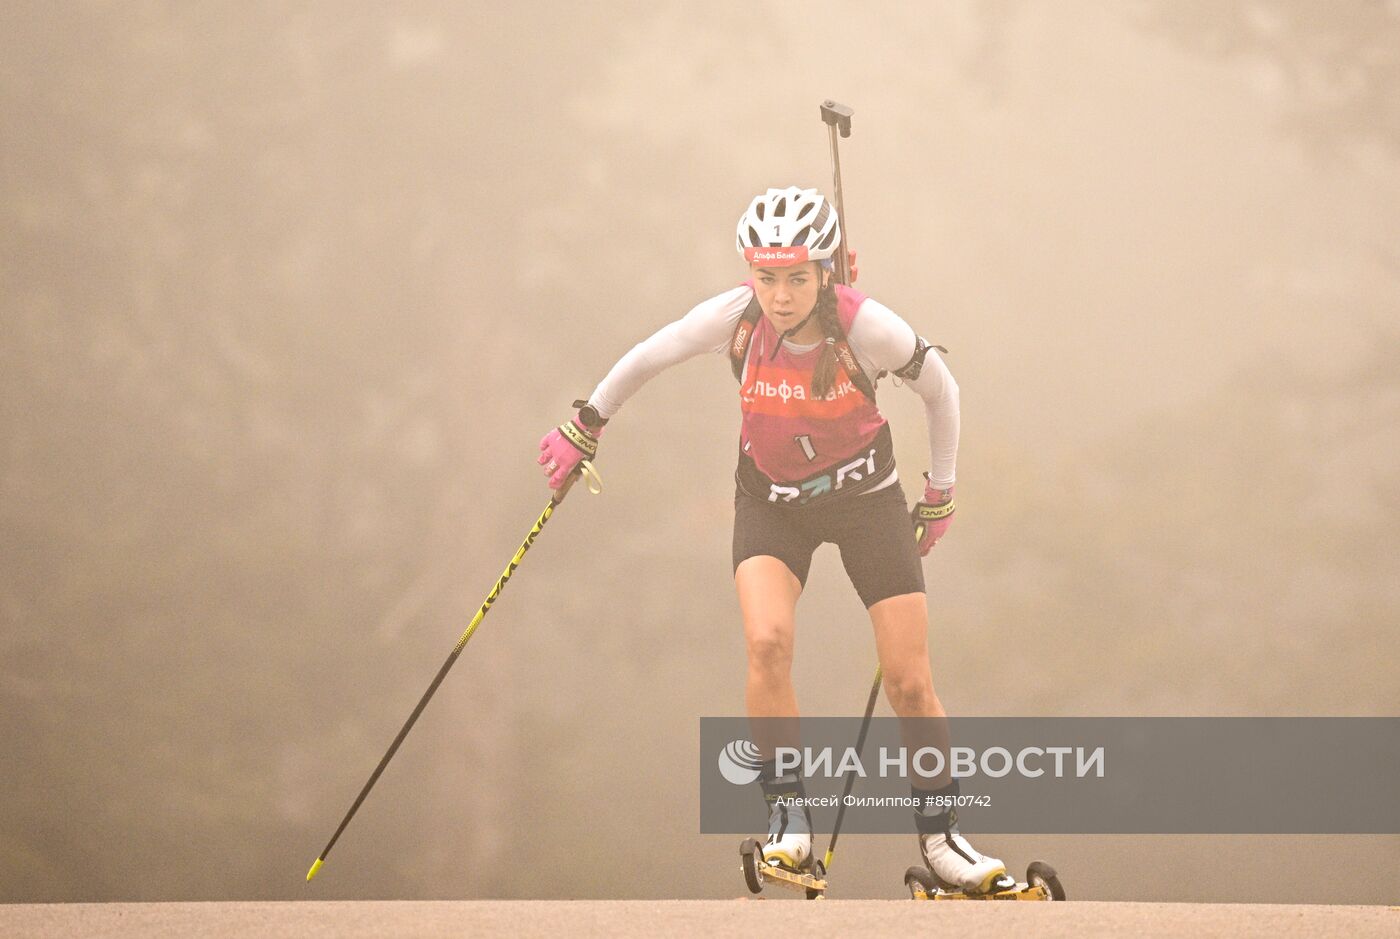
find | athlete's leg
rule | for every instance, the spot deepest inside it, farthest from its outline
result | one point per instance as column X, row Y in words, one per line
column 772, row 554
column 877, row 548
column 768, row 594
column 901, row 629
column 901, row 642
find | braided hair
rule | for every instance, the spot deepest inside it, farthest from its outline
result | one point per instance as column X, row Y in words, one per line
column 824, row 374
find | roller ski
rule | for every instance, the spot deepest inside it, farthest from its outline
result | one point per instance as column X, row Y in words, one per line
column 954, row 870
column 772, row 867
column 785, row 858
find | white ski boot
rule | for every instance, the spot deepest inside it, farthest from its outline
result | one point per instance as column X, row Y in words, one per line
column 789, row 838
column 789, row 825
column 958, row 864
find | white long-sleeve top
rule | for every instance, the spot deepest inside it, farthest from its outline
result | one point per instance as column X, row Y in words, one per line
column 880, row 339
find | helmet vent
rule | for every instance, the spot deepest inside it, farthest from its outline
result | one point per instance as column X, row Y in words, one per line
column 781, row 208
column 758, row 210
column 827, row 241
column 801, row 238
column 806, row 209
column 754, row 240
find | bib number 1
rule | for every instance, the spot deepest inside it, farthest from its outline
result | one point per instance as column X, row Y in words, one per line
column 805, row 442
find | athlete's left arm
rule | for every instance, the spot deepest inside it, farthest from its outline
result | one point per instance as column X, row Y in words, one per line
column 882, row 340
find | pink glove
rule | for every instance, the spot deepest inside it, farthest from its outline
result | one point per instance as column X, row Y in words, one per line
column 932, row 517
column 567, row 445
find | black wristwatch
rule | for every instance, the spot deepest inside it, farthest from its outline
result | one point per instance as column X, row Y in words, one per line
column 589, row 417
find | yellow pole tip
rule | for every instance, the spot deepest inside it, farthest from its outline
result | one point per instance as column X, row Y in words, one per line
column 314, row 868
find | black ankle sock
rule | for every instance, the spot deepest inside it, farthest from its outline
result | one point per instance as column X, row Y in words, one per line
column 784, row 787
column 930, row 816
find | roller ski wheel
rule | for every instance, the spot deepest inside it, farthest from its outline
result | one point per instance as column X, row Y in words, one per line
column 819, row 872
column 1042, row 875
column 751, row 861
column 921, row 884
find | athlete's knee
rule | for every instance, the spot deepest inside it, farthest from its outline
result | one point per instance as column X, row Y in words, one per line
column 910, row 693
column 770, row 651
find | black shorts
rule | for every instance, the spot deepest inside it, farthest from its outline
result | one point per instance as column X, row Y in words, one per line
column 873, row 531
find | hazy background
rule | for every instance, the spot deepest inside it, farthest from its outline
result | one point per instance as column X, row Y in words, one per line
column 289, row 293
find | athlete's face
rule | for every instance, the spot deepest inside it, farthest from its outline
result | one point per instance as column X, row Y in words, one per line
column 787, row 294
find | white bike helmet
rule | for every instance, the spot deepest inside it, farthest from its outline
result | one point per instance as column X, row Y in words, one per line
column 799, row 220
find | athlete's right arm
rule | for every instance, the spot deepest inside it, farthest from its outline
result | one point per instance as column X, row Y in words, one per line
column 708, row 327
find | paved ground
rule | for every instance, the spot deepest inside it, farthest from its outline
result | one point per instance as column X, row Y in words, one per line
column 702, row 918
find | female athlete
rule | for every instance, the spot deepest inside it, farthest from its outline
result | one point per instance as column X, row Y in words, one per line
column 816, row 464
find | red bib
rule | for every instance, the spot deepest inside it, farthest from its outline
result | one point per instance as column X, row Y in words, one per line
column 789, row 434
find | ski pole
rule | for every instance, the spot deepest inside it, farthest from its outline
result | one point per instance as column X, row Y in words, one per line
column 851, row 776
column 595, row 485
column 838, row 117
